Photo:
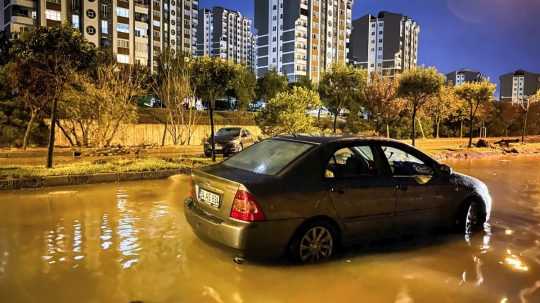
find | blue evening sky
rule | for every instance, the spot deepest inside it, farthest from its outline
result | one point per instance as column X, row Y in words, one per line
column 492, row 36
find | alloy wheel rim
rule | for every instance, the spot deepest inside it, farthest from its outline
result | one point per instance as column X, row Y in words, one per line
column 316, row 244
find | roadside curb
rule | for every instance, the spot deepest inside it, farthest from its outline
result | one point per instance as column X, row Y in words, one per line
column 51, row 181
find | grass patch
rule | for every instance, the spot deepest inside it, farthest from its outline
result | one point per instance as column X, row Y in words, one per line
column 101, row 166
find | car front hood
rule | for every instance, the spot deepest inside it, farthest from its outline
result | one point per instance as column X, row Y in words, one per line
column 476, row 186
column 223, row 139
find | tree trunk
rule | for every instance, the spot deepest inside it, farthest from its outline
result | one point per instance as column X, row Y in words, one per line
column 524, row 131
column 387, row 130
column 212, row 131
column 66, row 134
column 335, row 122
column 50, row 148
column 28, row 129
column 461, row 128
column 437, row 128
column 471, row 122
column 164, row 134
column 421, row 129
column 414, row 126
column 319, row 117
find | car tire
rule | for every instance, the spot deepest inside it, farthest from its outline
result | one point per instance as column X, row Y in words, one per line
column 314, row 242
column 471, row 218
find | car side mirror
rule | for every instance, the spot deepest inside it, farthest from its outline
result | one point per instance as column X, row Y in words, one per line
column 445, row 169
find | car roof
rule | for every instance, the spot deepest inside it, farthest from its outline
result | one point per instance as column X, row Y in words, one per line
column 321, row 140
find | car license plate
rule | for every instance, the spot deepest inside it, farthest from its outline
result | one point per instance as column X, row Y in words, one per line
column 209, row 198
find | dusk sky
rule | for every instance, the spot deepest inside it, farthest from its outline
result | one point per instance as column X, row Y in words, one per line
column 492, row 36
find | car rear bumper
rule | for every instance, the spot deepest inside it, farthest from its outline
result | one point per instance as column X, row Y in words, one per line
column 258, row 239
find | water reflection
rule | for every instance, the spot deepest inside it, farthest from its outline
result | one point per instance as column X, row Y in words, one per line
column 128, row 242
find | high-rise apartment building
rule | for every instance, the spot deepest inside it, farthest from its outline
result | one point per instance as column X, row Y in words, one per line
column 301, row 38
column 226, row 34
column 136, row 31
column 459, row 77
column 386, row 43
column 517, row 86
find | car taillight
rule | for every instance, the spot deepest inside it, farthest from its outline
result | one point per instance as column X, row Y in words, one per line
column 245, row 208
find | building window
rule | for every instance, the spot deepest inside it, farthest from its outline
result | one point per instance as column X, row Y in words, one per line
column 140, row 32
column 122, row 28
column 53, row 15
column 122, row 12
column 91, row 13
column 75, row 21
column 90, row 30
column 122, row 58
column 104, row 27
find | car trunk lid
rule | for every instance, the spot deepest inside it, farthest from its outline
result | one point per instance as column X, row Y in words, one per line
column 222, row 182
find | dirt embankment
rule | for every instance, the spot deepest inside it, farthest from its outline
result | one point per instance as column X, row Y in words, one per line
column 492, row 148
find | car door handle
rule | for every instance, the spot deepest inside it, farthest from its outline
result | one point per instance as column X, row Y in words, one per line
column 402, row 187
column 337, row 190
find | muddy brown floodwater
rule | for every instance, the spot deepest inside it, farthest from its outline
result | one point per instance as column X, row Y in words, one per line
column 129, row 242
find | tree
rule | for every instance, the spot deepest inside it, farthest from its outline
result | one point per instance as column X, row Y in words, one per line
column 173, row 87
column 339, row 87
column 56, row 52
column 212, row 78
column 441, row 106
column 271, row 84
column 31, row 86
column 287, row 112
column 417, row 86
column 116, row 90
column 243, row 86
column 525, row 106
column 380, row 99
column 474, row 94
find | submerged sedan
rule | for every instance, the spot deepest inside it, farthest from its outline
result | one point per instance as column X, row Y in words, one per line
column 307, row 196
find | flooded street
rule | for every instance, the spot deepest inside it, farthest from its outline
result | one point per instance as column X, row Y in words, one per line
column 129, row 242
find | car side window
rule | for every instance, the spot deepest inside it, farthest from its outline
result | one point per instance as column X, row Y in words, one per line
column 350, row 162
column 403, row 163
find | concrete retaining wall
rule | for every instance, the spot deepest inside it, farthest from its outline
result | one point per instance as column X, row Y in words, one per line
column 50, row 181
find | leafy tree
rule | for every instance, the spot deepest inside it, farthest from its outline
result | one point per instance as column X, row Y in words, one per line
column 524, row 107
column 380, row 99
column 270, row 85
column 287, row 112
column 212, row 78
column 305, row 82
column 340, row 87
column 173, row 86
column 441, row 106
column 31, row 86
column 243, row 86
column 5, row 46
column 56, row 52
column 417, row 86
column 475, row 94
column 93, row 110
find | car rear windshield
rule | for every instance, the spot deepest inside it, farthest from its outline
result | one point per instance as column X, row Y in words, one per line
column 229, row 132
column 268, row 157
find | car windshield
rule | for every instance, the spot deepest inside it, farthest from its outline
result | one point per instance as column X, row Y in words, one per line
column 229, row 132
column 268, row 157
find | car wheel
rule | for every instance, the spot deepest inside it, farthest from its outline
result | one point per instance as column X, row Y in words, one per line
column 314, row 242
column 472, row 218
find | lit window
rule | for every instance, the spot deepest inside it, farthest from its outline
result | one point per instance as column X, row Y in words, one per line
column 104, row 27
column 122, row 12
column 53, row 15
column 122, row 28
column 122, row 58
column 75, row 21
